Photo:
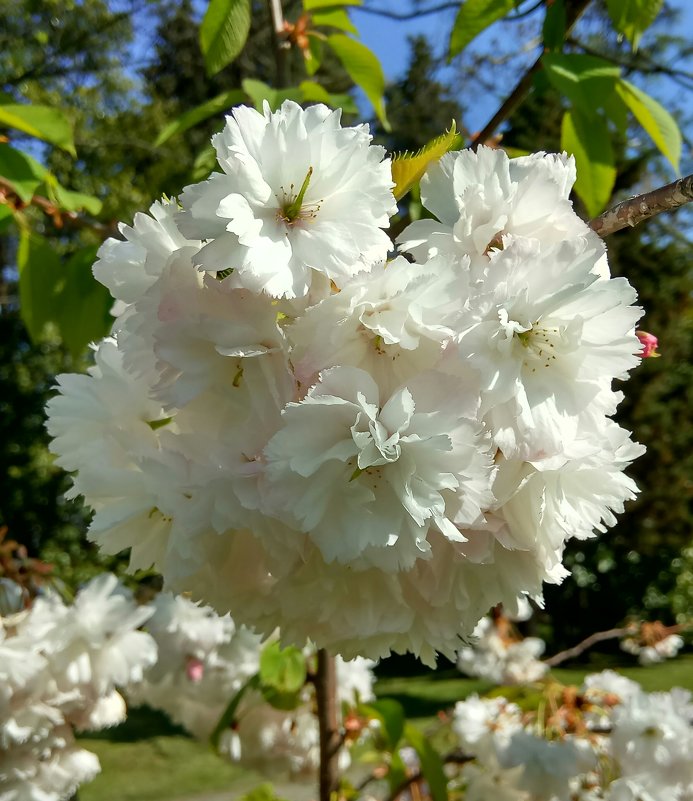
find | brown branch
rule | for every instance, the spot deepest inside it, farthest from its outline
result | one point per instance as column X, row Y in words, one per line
column 60, row 217
column 641, row 207
column 281, row 45
column 454, row 758
column 330, row 740
column 588, row 642
column 573, row 12
column 404, row 16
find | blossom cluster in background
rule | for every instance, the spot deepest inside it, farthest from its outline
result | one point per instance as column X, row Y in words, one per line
column 205, row 660
column 605, row 741
column 367, row 451
column 59, row 668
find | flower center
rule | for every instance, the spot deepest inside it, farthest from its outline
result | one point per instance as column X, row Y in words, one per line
column 540, row 345
column 291, row 208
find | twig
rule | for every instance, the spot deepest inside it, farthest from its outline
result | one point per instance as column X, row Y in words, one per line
column 454, row 758
column 281, row 45
column 641, row 207
column 521, row 90
column 588, row 642
column 330, row 740
column 403, row 16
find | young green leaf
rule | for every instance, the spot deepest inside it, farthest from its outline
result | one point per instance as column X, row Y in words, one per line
column 334, row 18
column 223, row 32
column 258, row 92
column 39, row 274
column 407, row 168
column 391, row 716
column 313, row 91
column 633, row 17
column 22, row 172
column 474, row 17
column 587, row 81
column 587, row 138
column 655, row 119
column 431, row 763
column 364, row 70
column 282, row 668
column 553, row 31
column 202, row 112
column 311, row 5
column 46, row 123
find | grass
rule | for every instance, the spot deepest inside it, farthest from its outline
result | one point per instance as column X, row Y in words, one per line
column 149, row 759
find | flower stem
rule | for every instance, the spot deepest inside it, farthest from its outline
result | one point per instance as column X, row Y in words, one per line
column 330, row 740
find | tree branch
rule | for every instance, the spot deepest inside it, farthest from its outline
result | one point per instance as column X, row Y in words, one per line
column 403, row 16
column 454, row 758
column 573, row 12
column 641, row 207
column 281, row 45
column 588, row 642
column 330, row 740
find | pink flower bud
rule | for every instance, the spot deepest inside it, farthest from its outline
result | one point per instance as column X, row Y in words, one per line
column 649, row 344
column 194, row 669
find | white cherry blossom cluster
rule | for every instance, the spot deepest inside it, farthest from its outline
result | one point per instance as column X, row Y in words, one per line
column 59, row 668
column 298, row 427
column 205, row 660
column 622, row 745
column 496, row 654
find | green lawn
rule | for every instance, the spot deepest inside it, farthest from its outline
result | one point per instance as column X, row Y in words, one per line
column 148, row 759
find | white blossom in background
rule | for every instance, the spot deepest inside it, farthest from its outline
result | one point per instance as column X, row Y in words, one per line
column 366, row 453
column 606, row 741
column 497, row 655
column 652, row 643
column 205, row 659
column 60, row 667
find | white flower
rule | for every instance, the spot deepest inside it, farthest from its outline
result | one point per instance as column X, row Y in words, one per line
column 483, row 724
column 298, row 193
column 544, row 332
column 366, row 480
column 391, row 322
column 130, row 267
column 480, row 197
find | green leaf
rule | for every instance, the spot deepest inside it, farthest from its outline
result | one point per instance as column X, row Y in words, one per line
column 633, row 17
column 66, row 295
column 204, row 163
column 587, row 81
column 43, row 122
column 655, row 119
column 282, row 668
column 223, row 32
column 312, row 91
column 229, row 714
column 364, row 70
column 313, row 55
column 407, row 168
column 81, row 303
column 474, row 17
column 39, row 272
column 334, row 18
column 263, row 792
column 258, row 92
column 311, row 5
column 587, row 138
column 391, row 716
column 211, row 108
column 431, row 762
column 554, row 25
column 21, row 171
column 74, row 201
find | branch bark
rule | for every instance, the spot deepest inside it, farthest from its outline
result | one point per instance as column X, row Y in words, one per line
column 641, row 207
column 330, row 739
column 281, row 45
column 573, row 13
column 588, row 642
